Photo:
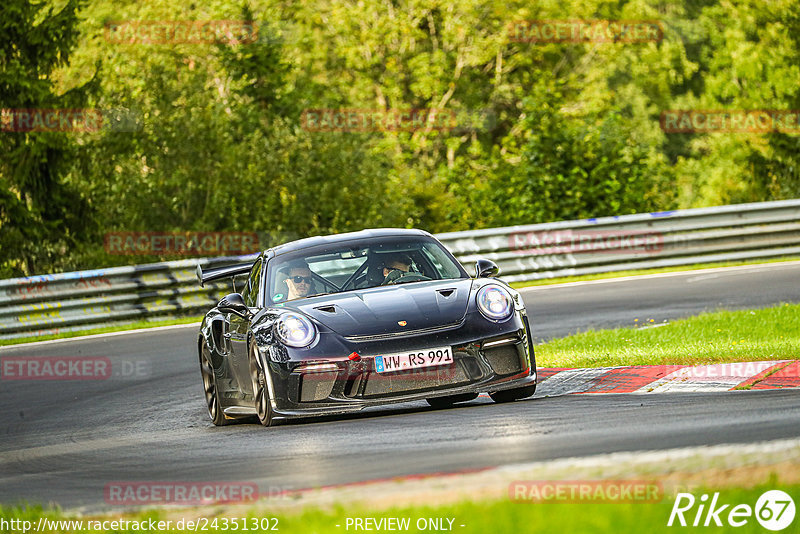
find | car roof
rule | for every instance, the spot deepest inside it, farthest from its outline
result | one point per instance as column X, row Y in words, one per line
column 342, row 238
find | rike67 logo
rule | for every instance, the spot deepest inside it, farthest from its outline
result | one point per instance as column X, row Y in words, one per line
column 774, row 510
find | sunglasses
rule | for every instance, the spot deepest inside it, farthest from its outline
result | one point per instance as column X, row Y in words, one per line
column 298, row 279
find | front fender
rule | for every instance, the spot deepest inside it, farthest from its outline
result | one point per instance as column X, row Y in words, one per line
column 212, row 331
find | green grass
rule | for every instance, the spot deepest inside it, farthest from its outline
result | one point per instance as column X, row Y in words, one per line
column 104, row 330
column 498, row 516
column 639, row 272
column 723, row 336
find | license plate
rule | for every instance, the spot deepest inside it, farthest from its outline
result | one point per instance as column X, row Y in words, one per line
column 400, row 361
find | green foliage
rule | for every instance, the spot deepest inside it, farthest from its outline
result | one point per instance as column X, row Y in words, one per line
column 545, row 131
column 574, row 167
column 41, row 213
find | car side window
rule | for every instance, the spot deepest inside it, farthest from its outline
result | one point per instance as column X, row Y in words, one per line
column 250, row 293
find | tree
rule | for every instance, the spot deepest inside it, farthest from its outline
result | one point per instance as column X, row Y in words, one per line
column 41, row 214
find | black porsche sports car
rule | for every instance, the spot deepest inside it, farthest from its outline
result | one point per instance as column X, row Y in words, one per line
column 333, row 324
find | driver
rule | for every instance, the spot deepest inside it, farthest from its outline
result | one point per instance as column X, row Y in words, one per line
column 394, row 267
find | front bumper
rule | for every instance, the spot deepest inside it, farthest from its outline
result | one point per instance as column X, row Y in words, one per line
column 487, row 357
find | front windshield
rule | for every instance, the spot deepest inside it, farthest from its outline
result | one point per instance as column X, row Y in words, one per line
column 358, row 265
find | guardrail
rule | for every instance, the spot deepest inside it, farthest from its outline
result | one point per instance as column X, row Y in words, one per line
column 65, row 302
column 81, row 300
column 642, row 241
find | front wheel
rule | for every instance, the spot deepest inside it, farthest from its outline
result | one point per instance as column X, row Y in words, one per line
column 258, row 374
column 447, row 402
column 510, row 395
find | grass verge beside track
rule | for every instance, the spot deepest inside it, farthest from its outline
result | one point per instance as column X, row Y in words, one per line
column 718, row 337
column 479, row 517
column 490, row 500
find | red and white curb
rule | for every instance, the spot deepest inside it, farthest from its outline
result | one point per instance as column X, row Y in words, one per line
column 670, row 378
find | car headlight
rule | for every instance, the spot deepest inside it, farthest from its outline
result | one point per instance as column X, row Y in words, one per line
column 494, row 302
column 295, row 330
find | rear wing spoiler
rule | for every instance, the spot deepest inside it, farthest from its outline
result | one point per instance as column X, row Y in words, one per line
column 209, row 275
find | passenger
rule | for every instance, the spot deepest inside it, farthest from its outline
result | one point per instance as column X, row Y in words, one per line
column 299, row 281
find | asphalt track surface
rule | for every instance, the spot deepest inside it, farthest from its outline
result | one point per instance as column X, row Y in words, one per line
column 64, row 441
column 561, row 311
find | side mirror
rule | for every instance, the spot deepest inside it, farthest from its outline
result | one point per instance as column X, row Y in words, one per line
column 233, row 303
column 486, row 269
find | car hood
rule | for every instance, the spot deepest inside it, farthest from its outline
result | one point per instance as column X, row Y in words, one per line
column 390, row 309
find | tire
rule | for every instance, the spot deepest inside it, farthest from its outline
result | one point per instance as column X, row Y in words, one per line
column 446, row 402
column 510, row 395
column 210, row 389
column 261, row 398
